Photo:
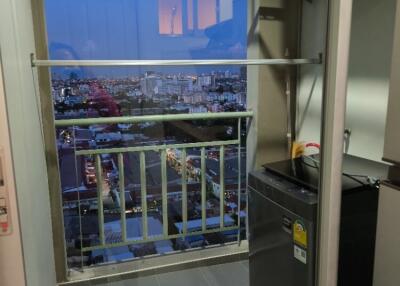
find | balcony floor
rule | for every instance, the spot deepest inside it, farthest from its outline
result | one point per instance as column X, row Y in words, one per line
column 232, row 274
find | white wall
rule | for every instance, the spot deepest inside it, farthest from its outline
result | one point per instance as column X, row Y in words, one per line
column 11, row 260
column 370, row 57
column 16, row 45
column 369, row 72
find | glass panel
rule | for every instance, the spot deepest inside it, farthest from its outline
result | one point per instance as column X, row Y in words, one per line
column 184, row 182
column 185, row 29
column 146, row 29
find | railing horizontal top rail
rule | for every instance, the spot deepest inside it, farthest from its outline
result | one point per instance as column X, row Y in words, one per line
column 160, row 237
column 138, row 63
column 153, row 118
column 156, row 147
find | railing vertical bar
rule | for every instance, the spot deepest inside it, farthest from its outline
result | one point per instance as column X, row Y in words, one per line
column 122, row 194
column 239, row 176
column 184, row 192
column 164, row 191
column 143, row 186
column 222, row 185
column 203, row 190
column 100, row 212
column 79, row 198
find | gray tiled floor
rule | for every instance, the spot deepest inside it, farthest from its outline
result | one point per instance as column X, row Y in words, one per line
column 227, row 274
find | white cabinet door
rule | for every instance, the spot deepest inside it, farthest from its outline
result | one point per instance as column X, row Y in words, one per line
column 11, row 257
column 392, row 138
column 387, row 251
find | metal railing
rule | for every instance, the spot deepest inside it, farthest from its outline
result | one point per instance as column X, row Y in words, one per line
column 140, row 63
column 153, row 118
column 40, row 65
column 162, row 149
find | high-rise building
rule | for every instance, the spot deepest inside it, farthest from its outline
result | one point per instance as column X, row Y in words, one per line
column 206, row 81
column 150, row 84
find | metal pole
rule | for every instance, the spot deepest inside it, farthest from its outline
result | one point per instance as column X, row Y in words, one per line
column 143, row 194
column 153, row 118
column 164, row 191
column 203, row 190
column 221, row 186
column 121, row 178
column 184, row 191
column 100, row 209
column 334, row 107
column 239, row 176
column 140, row 63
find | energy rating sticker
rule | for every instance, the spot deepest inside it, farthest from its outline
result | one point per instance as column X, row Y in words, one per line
column 300, row 254
column 300, row 233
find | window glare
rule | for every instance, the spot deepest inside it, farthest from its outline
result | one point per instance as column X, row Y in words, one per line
column 146, row 29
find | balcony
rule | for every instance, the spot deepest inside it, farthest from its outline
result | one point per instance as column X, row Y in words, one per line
column 108, row 220
column 234, row 273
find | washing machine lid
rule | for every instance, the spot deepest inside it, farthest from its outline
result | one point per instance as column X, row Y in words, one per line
column 305, row 171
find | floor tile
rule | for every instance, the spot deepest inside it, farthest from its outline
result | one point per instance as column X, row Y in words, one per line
column 140, row 281
column 232, row 274
column 192, row 277
column 226, row 274
column 245, row 263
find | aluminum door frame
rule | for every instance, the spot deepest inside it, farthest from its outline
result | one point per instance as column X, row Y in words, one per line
column 333, row 125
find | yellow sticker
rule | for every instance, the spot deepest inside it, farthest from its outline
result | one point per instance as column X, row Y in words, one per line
column 300, row 233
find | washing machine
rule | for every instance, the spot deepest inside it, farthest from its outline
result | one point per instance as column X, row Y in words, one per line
column 283, row 205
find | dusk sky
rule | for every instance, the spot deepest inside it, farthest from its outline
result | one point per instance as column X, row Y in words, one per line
column 146, row 29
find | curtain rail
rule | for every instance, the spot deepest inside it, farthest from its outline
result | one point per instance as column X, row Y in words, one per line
column 138, row 63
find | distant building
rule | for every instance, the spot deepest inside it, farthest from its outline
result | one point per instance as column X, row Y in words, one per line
column 205, row 81
column 215, row 107
column 150, row 85
column 135, row 93
column 133, row 226
column 198, row 109
column 186, row 85
column 211, row 222
column 195, row 98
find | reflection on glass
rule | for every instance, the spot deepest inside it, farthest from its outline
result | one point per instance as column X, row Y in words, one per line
column 170, row 17
column 190, row 15
column 207, row 13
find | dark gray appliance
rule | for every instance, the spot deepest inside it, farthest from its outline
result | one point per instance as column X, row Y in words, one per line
column 283, row 201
